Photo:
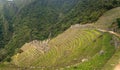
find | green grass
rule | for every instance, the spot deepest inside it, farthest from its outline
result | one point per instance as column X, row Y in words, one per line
column 8, row 67
column 114, row 60
column 97, row 61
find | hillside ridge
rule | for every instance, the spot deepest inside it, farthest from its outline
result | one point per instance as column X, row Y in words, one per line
column 90, row 41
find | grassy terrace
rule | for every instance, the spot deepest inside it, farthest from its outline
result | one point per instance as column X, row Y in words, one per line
column 97, row 61
column 68, row 50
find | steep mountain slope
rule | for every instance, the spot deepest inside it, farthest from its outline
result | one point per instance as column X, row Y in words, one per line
column 35, row 21
column 70, row 51
column 8, row 9
column 12, row 8
column 42, row 19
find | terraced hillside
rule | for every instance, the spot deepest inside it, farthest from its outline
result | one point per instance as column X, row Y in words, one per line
column 76, row 48
column 28, row 20
column 84, row 47
column 81, row 47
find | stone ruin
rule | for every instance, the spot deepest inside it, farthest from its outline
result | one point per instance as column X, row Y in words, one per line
column 39, row 45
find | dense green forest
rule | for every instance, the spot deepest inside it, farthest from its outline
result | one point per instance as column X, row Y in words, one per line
column 26, row 20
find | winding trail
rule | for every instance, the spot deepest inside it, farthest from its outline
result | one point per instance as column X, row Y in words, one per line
column 111, row 32
column 91, row 26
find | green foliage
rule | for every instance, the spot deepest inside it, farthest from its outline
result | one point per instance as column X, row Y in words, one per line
column 88, row 11
column 36, row 21
column 3, row 53
column 118, row 21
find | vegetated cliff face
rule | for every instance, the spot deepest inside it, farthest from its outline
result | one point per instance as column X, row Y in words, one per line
column 8, row 10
